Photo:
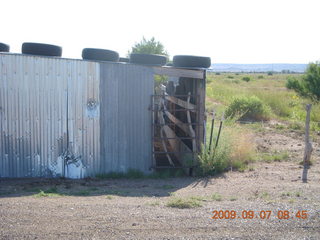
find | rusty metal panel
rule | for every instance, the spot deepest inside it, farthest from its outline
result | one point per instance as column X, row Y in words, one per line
column 46, row 127
column 125, row 121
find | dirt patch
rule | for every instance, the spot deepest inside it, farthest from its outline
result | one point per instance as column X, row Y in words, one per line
column 271, row 141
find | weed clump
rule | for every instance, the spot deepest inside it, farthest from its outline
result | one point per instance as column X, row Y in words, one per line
column 51, row 192
column 248, row 108
column 235, row 151
column 184, row 203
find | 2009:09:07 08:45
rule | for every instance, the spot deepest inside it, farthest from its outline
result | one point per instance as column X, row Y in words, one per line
column 263, row 214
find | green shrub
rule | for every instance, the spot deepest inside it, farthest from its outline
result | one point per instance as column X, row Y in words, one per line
column 231, row 77
column 248, row 108
column 214, row 162
column 246, row 79
column 260, row 77
column 309, row 85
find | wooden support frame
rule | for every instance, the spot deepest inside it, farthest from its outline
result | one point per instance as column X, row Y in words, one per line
column 192, row 102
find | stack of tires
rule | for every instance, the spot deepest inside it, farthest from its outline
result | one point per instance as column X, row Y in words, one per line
column 97, row 54
column 179, row 61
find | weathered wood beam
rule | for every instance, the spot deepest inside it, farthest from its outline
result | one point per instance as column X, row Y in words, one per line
column 180, row 124
column 189, row 106
column 179, row 72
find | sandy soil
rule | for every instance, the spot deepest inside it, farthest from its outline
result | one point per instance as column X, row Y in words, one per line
column 137, row 209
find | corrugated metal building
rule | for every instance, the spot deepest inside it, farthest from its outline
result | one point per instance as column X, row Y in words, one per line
column 75, row 118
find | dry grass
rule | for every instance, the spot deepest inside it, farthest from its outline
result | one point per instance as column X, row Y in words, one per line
column 243, row 147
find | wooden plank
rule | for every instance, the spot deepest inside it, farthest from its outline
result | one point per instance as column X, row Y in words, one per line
column 201, row 92
column 180, row 124
column 176, row 143
column 192, row 133
column 191, row 107
column 162, row 121
column 179, row 72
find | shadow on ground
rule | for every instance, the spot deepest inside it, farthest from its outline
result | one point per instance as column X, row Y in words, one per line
column 42, row 187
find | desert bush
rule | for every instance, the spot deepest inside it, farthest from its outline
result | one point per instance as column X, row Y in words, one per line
column 248, row 108
column 246, row 79
column 236, row 150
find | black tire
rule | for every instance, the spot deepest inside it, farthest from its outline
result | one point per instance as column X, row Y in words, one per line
column 148, row 59
column 191, row 61
column 98, row 54
column 4, row 47
column 124, row 60
column 41, row 49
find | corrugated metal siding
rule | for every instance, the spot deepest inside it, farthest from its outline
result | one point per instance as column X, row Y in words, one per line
column 32, row 91
column 83, row 118
column 125, row 96
column 36, row 93
column 94, row 113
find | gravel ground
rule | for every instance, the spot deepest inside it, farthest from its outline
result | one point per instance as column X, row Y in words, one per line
column 137, row 209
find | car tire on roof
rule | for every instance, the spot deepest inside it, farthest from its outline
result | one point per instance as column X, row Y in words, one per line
column 41, row 49
column 100, row 54
column 191, row 61
column 4, row 47
column 123, row 59
column 148, row 59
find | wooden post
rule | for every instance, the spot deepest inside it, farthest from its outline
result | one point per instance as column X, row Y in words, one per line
column 308, row 146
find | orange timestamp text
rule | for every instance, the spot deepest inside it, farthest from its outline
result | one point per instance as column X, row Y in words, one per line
column 263, row 214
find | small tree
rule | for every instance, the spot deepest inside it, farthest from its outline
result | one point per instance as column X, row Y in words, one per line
column 151, row 47
column 148, row 47
column 309, row 85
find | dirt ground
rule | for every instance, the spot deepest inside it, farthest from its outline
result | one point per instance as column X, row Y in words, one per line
column 137, row 209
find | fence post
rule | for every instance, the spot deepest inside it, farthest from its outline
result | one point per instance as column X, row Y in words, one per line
column 308, row 146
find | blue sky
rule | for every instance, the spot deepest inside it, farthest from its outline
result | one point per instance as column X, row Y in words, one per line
column 229, row 31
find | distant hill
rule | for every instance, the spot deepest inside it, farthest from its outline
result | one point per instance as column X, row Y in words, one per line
column 276, row 67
